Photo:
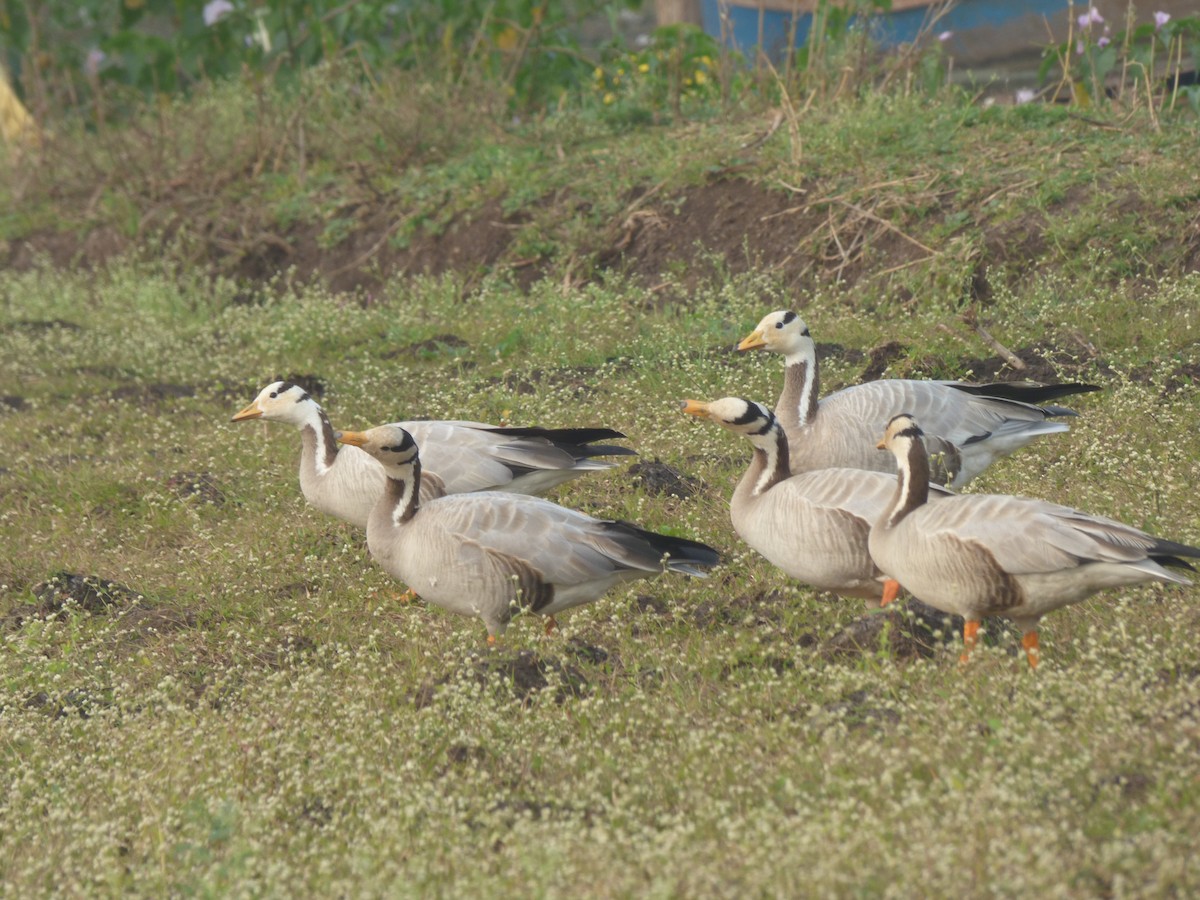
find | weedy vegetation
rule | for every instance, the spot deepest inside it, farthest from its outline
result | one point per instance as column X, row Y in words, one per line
column 208, row 688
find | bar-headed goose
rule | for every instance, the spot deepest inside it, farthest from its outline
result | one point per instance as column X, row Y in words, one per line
column 980, row 555
column 968, row 426
column 813, row 525
column 461, row 456
column 491, row 554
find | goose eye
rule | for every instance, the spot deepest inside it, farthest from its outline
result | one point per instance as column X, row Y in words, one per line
column 778, row 324
column 274, row 394
column 805, row 333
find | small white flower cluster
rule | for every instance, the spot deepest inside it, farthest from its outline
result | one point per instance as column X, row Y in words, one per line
column 292, row 730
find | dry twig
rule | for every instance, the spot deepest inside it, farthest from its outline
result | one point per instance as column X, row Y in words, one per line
column 1003, row 352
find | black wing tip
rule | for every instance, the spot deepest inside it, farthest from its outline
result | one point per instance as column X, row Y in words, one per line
column 1173, row 561
column 675, row 549
column 685, row 550
column 1031, row 392
column 1170, row 553
column 578, row 442
column 561, row 435
column 585, row 451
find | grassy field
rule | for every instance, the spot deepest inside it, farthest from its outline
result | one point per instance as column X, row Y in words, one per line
column 248, row 710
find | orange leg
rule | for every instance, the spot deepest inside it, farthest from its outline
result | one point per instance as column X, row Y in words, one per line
column 408, row 596
column 1029, row 640
column 551, row 624
column 970, row 639
column 491, row 640
column 891, row 590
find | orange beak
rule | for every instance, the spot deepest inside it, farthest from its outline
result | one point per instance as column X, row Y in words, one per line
column 752, row 341
column 250, row 412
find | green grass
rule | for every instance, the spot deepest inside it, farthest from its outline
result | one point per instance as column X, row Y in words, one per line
column 270, row 721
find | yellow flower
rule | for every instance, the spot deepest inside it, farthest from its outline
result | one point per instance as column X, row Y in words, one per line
column 609, row 98
column 507, row 39
column 700, row 77
column 598, row 74
column 644, row 68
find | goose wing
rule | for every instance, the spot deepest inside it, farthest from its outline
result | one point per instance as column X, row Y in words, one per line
column 563, row 545
column 859, row 492
column 1027, row 536
column 958, row 416
column 473, row 456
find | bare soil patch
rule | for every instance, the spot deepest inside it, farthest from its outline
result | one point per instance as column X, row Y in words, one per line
column 728, row 225
column 99, row 597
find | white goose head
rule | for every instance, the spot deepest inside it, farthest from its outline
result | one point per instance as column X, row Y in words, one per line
column 901, row 433
column 903, row 437
column 390, row 444
column 281, row 401
column 394, row 449
column 756, row 423
column 740, row 416
column 780, row 332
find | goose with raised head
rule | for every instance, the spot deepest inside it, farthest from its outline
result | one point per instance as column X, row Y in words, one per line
column 491, row 554
column 968, row 427
column 461, row 456
column 981, row 555
column 813, row 525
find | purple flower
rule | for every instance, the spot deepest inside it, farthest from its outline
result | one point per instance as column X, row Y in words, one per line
column 1092, row 16
column 1103, row 41
column 1161, row 19
column 1025, row 95
column 945, row 36
column 1079, row 46
column 93, row 61
column 215, row 10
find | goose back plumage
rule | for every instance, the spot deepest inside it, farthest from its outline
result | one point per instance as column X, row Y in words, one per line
column 969, row 426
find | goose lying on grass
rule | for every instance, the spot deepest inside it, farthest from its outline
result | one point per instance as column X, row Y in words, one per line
column 813, row 525
column 980, row 555
column 968, row 426
column 492, row 554
column 461, row 456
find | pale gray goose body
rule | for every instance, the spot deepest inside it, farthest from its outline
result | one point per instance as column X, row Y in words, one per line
column 968, row 427
column 490, row 554
column 462, row 456
column 980, row 555
column 812, row 525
